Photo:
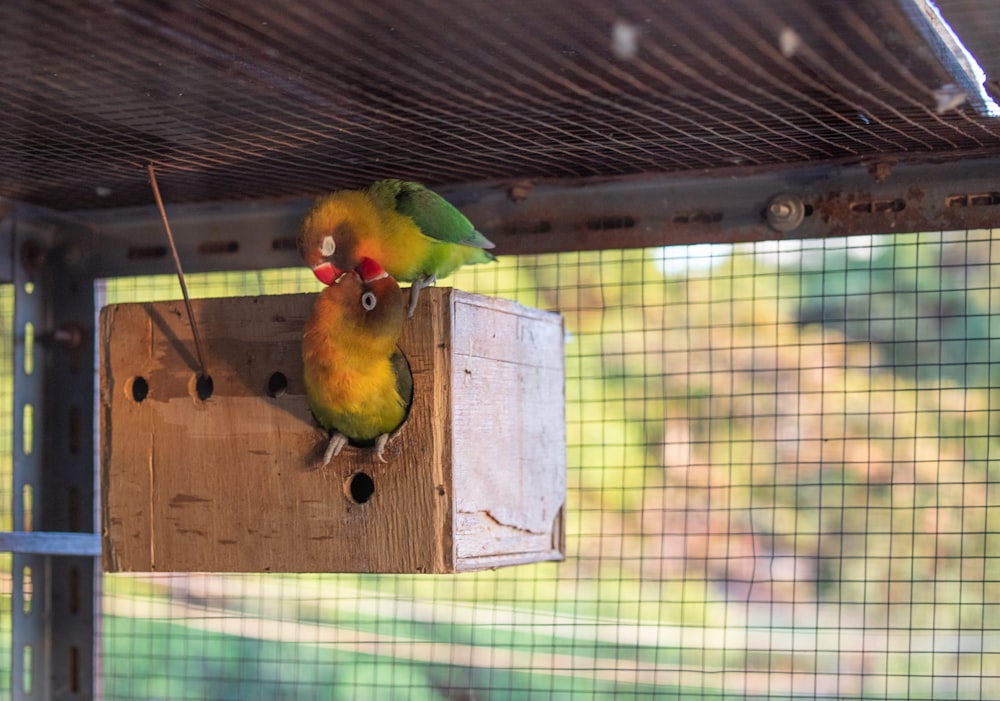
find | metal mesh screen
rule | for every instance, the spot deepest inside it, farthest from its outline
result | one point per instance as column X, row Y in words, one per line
column 781, row 468
column 252, row 100
column 781, row 455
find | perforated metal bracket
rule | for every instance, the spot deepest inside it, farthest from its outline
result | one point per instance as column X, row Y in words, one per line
column 55, row 572
column 836, row 199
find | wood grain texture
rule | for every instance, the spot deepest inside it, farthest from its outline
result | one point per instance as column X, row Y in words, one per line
column 508, row 401
column 231, row 483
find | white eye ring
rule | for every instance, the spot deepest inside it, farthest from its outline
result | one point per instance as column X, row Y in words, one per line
column 368, row 301
column 327, row 246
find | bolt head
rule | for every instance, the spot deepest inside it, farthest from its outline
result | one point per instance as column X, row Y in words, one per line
column 785, row 212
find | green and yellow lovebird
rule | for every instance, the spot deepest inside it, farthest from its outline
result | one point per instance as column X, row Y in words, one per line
column 358, row 383
column 414, row 233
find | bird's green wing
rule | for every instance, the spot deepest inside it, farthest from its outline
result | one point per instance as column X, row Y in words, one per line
column 404, row 378
column 435, row 216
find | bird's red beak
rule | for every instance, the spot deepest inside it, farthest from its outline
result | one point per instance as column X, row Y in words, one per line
column 370, row 270
column 326, row 272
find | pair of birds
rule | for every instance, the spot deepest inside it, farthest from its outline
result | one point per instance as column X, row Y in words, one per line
column 359, row 243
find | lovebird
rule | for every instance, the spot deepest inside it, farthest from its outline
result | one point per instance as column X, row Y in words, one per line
column 358, row 383
column 414, row 233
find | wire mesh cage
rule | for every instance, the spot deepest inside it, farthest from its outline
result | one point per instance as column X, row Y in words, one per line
column 779, row 486
column 255, row 101
column 781, row 454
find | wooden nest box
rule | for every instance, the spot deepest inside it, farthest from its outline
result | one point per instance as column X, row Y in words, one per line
column 225, row 478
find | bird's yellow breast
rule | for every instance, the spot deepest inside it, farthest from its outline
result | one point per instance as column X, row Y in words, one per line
column 349, row 377
column 361, row 405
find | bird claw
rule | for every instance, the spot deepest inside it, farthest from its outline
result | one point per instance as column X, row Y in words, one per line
column 380, row 444
column 415, row 287
column 339, row 440
column 333, row 448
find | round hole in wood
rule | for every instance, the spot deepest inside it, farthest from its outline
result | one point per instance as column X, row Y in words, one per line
column 360, row 487
column 137, row 388
column 204, row 387
column 277, row 384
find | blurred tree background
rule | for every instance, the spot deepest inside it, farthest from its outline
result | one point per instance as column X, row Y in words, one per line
column 805, row 428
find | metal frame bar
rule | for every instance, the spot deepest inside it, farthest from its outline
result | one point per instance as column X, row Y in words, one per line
column 547, row 216
column 85, row 544
column 56, row 583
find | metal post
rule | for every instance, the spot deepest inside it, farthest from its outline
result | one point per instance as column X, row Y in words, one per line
column 55, row 575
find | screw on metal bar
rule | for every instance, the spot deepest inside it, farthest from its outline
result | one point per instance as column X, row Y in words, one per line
column 68, row 336
column 520, row 190
column 785, row 212
column 33, row 257
column 180, row 271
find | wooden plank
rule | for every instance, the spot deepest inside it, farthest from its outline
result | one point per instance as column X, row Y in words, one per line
column 510, row 404
column 230, row 483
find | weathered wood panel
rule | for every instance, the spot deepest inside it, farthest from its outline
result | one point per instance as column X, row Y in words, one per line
column 475, row 478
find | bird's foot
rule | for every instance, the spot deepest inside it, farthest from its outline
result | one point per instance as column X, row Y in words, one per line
column 380, row 444
column 415, row 287
column 333, row 448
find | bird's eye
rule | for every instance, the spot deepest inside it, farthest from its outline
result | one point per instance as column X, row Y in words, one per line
column 368, row 301
column 327, row 246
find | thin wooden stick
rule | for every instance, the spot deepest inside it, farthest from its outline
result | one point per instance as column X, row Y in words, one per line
column 180, row 272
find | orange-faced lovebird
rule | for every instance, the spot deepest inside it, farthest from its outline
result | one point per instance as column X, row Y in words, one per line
column 358, row 383
column 414, row 233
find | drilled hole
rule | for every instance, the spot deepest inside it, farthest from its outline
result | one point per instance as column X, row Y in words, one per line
column 203, row 387
column 980, row 199
column 879, row 206
column 146, row 252
column 138, row 389
column 360, row 487
column 26, row 669
column 29, row 348
column 28, row 507
column 985, row 199
column 697, row 217
column 528, row 227
column 807, row 210
column 286, row 243
column 28, row 429
column 277, row 384
column 33, row 256
column 216, row 247
column 27, row 590
column 74, row 670
column 612, row 222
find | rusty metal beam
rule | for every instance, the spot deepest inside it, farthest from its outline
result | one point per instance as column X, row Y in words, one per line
column 548, row 216
column 715, row 208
